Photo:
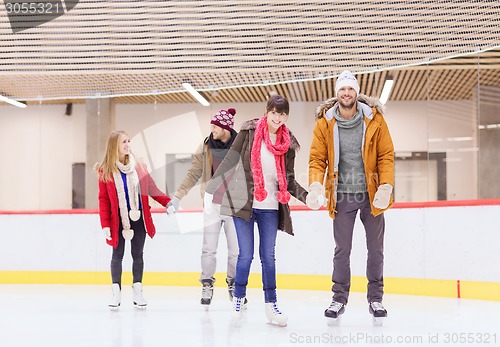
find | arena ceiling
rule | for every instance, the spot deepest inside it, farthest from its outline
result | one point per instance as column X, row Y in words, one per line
column 240, row 51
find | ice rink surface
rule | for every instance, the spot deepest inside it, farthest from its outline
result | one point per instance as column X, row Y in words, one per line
column 78, row 316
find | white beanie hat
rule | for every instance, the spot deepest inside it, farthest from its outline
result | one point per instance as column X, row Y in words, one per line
column 346, row 79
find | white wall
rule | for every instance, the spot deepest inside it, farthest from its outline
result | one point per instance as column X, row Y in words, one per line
column 457, row 243
column 39, row 144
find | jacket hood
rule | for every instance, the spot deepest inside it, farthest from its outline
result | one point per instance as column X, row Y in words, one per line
column 363, row 99
column 252, row 124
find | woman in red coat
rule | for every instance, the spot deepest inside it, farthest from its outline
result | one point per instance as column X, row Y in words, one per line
column 124, row 190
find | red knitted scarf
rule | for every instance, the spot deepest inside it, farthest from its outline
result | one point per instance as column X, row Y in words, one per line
column 279, row 149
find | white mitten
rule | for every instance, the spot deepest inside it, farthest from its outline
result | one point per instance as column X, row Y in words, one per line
column 175, row 203
column 170, row 208
column 382, row 196
column 316, row 196
column 207, row 203
column 107, row 233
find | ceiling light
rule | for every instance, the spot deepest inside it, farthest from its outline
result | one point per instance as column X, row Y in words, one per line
column 12, row 101
column 196, row 95
column 386, row 91
column 492, row 126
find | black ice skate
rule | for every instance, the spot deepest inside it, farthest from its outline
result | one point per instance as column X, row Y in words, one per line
column 206, row 294
column 334, row 312
column 378, row 312
column 230, row 288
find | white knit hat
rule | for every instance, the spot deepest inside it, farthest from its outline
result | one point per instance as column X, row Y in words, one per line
column 346, row 79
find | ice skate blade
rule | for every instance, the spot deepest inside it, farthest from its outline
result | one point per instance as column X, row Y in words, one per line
column 114, row 308
column 140, row 307
column 206, row 307
column 276, row 323
column 378, row 321
column 333, row 322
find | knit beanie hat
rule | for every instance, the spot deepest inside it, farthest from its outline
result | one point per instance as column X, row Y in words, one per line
column 224, row 119
column 346, row 79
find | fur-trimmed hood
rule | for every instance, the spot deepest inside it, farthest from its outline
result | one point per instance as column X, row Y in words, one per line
column 363, row 99
column 252, row 125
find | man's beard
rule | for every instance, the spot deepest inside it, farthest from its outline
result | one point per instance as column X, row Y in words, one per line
column 347, row 106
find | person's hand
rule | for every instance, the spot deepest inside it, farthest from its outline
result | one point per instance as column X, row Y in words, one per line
column 382, row 196
column 175, row 203
column 207, row 203
column 170, row 208
column 316, row 196
column 107, row 233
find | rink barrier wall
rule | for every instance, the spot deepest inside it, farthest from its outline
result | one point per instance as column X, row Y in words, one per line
column 443, row 249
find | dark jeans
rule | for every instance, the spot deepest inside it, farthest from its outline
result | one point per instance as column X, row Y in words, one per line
column 343, row 227
column 267, row 223
column 137, row 247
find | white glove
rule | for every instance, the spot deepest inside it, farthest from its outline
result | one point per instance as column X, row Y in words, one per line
column 170, row 208
column 316, row 196
column 382, row 196
column 175, row 203
column 107, row 233
column 207, row 203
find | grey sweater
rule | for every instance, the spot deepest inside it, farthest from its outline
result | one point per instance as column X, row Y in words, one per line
column 351, row 177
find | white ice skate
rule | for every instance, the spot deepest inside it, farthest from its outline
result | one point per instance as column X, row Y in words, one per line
column 274, row 315
column 378, row 312
column 139, row 301
column 334, row 312
column 238, row 307
column 114, row 305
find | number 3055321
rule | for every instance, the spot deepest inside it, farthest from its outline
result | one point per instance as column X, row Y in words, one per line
column 33, row 8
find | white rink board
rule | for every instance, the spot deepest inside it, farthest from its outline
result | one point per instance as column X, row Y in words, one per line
column 428, row 243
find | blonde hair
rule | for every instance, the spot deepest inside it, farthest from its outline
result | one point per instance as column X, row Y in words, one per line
column 106, row 168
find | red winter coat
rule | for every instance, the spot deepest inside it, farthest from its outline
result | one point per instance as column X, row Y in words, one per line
column 108, row 204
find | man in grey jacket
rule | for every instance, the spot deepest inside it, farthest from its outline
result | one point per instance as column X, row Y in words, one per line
column 206, row 160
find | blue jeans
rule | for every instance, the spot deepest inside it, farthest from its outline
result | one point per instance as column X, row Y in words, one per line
column 267, row 223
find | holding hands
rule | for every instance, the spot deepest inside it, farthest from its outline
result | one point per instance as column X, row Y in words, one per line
column 316, row 196
column 173, row 205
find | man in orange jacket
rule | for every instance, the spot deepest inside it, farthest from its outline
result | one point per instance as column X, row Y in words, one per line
column 351, row 168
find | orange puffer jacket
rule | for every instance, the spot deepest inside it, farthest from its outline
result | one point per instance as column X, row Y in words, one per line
column 378, row 151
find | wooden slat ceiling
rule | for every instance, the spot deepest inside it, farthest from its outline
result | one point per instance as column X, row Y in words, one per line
column 451, row 79
column 241, row 50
